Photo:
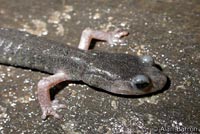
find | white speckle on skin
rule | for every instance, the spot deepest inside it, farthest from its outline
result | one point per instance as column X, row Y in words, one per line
column 94, row 54
column 27, row 35
column 46, row 51
column 7, row 48
column 75, row 58
column 9, row 59
column 114, row 104
column 103, row 72
column 4, row 29
column 1, row 42
column 19, row 46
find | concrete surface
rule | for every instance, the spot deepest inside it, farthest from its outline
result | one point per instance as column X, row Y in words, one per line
column 169, row 30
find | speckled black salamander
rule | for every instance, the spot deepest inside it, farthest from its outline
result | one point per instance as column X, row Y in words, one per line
column 114, row 72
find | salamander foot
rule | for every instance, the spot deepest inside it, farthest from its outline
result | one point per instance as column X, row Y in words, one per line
column 115, row 37
column 51, row 110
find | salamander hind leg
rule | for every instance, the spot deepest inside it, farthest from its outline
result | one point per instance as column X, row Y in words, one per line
column 113, row 37
column 49, row 107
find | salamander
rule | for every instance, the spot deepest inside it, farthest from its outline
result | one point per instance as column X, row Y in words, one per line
column 117, row 73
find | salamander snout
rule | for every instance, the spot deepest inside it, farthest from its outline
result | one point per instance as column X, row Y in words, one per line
column 141, row 82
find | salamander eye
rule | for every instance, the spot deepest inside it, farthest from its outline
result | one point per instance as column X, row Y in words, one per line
column 141, row 82
column 147, row 59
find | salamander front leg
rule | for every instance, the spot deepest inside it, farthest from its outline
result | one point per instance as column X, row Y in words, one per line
column 110, row 37
column 50, row 107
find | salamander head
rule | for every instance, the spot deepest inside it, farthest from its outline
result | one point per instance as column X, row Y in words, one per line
column 151, row 81
column 126, row 74
column 148, row 79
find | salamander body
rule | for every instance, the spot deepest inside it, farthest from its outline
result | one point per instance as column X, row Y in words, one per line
column 114, row 72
